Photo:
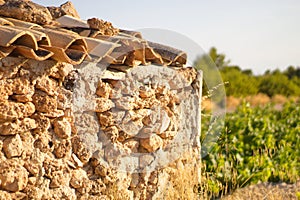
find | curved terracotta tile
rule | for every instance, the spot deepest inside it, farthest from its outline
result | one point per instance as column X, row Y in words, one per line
column 170, row 55
column 71, row 56
column 131, row 33
column 130, row 48
column 67, row 21
column 112, row 59
column 65, row 39
column 118, row 38
column 5, row 51
column 23, row 24
column 12, row 35
column 138, row 55
column 99, row 48
column 40, row 54
column 83, row 32
column 107, row 38
column 152, row 56
column 41, row 38
column 121, row 68
column 4, row 22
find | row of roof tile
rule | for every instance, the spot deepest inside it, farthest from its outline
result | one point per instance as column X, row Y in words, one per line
column 72, row 40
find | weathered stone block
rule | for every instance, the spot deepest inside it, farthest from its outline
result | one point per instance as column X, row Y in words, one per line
column 152, row 143
column 11, row 110
column 12, row 146
column 62, row 128
column 18, row 126
column 13, row 177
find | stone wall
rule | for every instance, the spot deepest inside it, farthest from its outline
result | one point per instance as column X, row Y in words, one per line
column 98, row 132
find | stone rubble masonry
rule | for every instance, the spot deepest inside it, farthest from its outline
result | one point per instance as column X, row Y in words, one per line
column 89, row 132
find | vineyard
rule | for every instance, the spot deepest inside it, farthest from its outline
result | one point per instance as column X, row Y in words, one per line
column 257, row 144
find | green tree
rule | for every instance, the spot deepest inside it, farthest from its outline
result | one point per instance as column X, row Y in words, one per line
column 210, row 64
column 219, row 59
column 292, row 72
column 241, row 84
column 278, row 83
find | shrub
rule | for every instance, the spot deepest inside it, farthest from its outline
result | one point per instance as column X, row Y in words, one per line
column 257, row 144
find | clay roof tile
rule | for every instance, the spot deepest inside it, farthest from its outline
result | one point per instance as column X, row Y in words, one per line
column 69, row 39
column 12, row 35
column 4, row 22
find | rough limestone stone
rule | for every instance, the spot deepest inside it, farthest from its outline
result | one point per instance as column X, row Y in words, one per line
column 13, row 176
column 76, row 161
column 5, row 195
column 112, row 117
column 62, row 148
column 22, row 86
column 146, row 160
column 43, row 123
column 112, row 132
column 164, row 121
column 168, row 134
column 62, row 128
column 54, row 114
column 80, row 150
column 18, row 88
column 12, row 146
column 103, row 104
column 35, row 162
column 64, row 99
column 146, row 92
column 152, row 143
column 132, row 145
column 10, row 66
column 63, row 192
column 153, row 117
column 6, row 89
column 11, row 110
column 28, row 143
column 59, row 178
column 104, row 27
column 47, row 85
column 43, row 142
column 139, row 114
column 131, row 128
column 103, row 89
column 65, row 9
column 97, row 186
column 18, row 126
column 125, row 103
column 27, row 11
column 23, row 98
column 56, row 171
column 33, row 168
column 69, row 9
column 44, row 103
column 78, row 178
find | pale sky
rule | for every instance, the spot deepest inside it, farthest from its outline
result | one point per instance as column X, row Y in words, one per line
column 255, row 34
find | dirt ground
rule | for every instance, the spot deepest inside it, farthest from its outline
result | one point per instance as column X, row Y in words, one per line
column 267, row 191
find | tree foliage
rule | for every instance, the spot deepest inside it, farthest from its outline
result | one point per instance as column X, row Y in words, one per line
column 239, row 82
column 243, row 83
column 278, row 83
